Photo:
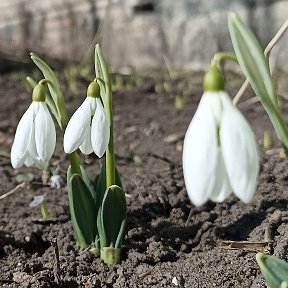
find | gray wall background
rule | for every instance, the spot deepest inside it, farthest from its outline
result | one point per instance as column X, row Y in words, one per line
column 138, row 34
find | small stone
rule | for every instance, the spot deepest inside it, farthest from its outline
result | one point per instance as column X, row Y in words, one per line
column 20, row 277
column 172, row 138
column 131, row 129
column 175, row 281
column 56, row 181
column 179, row 147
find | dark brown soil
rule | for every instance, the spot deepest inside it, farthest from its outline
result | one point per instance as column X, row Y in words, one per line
column 159, row 250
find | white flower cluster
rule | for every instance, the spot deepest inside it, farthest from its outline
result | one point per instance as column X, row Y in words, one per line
column 35, row 138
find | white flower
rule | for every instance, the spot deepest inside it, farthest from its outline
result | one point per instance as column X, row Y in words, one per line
column 35, row 137
column 220, row 153
column 37, row 200
column 86, row 134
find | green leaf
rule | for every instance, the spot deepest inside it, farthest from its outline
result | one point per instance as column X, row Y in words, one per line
column 48, row 100
column 82, row 210
column 85, row 178
column 55, row 89
column 255, row 66
column 100, row 227
column 252, row 60
column 121, row 234
column 112, row 217
column 31, row 81
column 100, row 184
column 274, row 270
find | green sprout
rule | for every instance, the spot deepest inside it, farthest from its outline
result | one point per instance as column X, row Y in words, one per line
column 40, row 201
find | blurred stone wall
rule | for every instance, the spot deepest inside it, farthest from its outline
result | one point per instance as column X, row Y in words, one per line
column 137, row 34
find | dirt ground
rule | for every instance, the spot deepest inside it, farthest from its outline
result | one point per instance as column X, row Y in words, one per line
column 159, row 250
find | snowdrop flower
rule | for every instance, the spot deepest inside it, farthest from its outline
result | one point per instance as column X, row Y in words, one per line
column 220, row 153
column 37, row 200
column 84, row 133
column 35, row 137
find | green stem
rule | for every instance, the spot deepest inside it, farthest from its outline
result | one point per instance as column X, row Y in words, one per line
column 110, row 159
column 101, row 80
column 75, row 163
column 45, row 81
column 218, row 57
column 44, row 211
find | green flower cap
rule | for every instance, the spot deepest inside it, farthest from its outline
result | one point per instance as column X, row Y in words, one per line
column 38, row 94
column 213, row 80
column 93, row 90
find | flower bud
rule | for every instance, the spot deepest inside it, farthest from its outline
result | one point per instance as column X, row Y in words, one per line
column 38, row 94
column 213, row 80
column 93, row 90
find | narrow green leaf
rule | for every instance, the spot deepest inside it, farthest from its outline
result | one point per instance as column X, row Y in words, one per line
column 274, row 270
column 31, row 81
column 255, row 66
column 82, row 210
column 100, row 184
column 55, row 89
column 121, row 234
column 112, row 217
column 252, row 60
column 48, row 100
column 103, row 74
column 101, row 231
column 85, row 178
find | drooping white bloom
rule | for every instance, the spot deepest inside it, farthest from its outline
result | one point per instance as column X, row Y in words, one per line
column 220, row 153
column 88, row 129
column 37, row 200
column 35, row 137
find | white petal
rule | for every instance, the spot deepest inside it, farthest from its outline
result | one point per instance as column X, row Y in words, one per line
column 213, row 100
column 37, row 201
column 100, row 132
column 45, row 134
column 40, row 164
column 200, row 154
column 32, row 145
column 77, row 127
column 222, row 187
column 93, row 104
column 22, row 138
column 29, row 161
column 239, row 151
column 86, row 147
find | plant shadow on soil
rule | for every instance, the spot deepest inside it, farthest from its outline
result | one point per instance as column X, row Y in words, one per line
column 158, row 247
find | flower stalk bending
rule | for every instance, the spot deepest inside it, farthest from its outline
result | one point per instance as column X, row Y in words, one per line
column 220, row 152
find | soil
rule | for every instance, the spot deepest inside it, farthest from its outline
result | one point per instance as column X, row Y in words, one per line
column 159, row 249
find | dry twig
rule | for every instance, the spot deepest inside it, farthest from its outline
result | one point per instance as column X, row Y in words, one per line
column 21, row 185
column 274, row 222
column 57, row 270
column 260, row 246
